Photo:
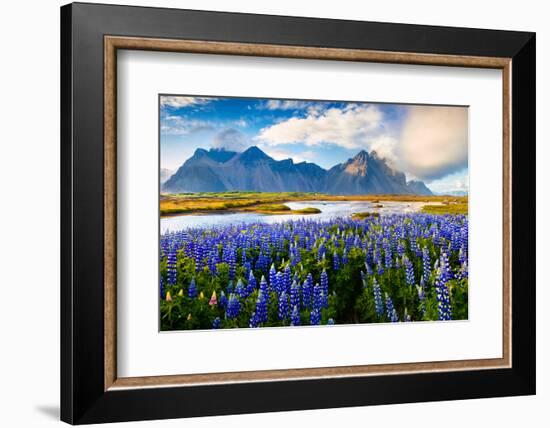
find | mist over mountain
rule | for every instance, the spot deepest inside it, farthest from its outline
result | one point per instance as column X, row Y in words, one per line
column 165, row 174
column 218, row 170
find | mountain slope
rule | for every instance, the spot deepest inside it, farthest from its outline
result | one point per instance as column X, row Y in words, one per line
column 365, row 174
column 418, row 187
column 219, row 170
column 198, row 174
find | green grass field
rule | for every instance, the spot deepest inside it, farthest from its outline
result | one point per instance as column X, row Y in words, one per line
column 451, row 208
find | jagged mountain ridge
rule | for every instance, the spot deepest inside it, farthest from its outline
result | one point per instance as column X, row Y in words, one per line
column 218, row 170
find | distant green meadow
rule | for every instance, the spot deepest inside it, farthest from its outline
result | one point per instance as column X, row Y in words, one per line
column 274, row 202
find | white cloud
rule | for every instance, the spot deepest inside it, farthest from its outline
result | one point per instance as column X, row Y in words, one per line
column 176, row 125
column 181, row 125
column 461, row 184
column 386, row 147
column 282, row 154
column 285, row 104
column 316, row 109
column 351, row 127
column 434, row 141
column 181, row 101
column 230, row 139
column 457, row 182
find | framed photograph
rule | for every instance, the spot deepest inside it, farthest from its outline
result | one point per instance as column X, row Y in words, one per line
column 266, row 213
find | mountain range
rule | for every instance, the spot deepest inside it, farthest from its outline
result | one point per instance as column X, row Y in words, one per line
column 219, row 170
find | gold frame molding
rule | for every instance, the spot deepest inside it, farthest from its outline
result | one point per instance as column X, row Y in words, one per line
column 113, row 43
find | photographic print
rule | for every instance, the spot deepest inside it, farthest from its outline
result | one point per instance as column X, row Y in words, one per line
column 287, row 213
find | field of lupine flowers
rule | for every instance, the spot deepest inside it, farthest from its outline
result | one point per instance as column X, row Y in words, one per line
column 392, row 268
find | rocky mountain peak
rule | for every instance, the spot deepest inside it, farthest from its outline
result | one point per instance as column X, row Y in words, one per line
column 223, row 170
column 254, row 154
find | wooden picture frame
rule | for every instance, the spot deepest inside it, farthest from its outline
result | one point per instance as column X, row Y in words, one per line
column 91, row 390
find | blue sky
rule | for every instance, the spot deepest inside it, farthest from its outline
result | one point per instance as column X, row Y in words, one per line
column 428, row 143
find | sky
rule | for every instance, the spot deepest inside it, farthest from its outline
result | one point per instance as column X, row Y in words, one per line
column 428, row 143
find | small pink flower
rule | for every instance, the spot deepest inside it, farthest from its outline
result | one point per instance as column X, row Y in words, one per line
column 213, row 300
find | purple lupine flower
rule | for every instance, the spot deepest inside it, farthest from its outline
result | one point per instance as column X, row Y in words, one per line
column 279, row 282
column 421, row 296
column 232, row 268
column 233, row 307
column 443, row 299
column 336, row 261
column 241, row 290
column 321, row 251
column 162, row 291
column 307, row 291
column 287, row 279
column 414, row 245
column 315, row 317
column 247, row 267
column 264, row 287
column 376, row 255
column 345, row 257
column 213, row 260
column 253, row 322
column 387, row 255
column 378, row 302
column 368, row 268
column 400, row 249
column 295, row 256
column 192, row 292
column 199, row 257
column 273, row 277
column 464, row 270
column 462, row 256
column 229, row 287
column 222, row 301
column 216, row 323
column 294, row 294
column 426, row 263
column 230, row 257
column 380, row 268
column 283, row 306
column 330, row 321
column 171, row 261
column 262, row 262
column 251, row 286
column 261, row 308
column 446, row 273
column 464, row 234
column 391, row 313
column 295, row 316
column 409, row 271
column 244, row 256
column 318, row 299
